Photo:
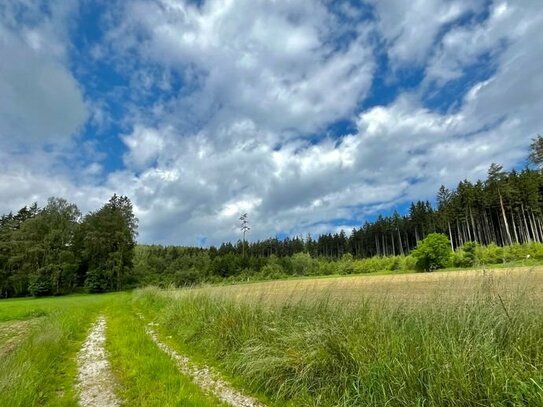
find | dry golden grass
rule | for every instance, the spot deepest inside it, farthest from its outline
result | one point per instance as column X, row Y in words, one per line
column 11, row 334
column 415, row 288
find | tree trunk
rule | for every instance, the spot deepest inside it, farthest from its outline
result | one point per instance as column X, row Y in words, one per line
column 514, row 225
column 531, row 218
column 450, row 235
column 508, row 233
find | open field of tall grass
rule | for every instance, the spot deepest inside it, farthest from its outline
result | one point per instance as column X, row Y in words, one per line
column 437, row 339
column 406, row 288
column 432, row 339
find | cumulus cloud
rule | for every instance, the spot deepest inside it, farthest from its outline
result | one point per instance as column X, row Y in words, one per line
column 275, row 63
column 41, row 101
column 410, row 28
column 41, row 105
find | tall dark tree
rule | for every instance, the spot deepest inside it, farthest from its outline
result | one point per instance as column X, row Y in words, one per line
column 107, row 240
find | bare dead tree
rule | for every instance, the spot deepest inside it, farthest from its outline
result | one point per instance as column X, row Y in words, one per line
column 244, row 227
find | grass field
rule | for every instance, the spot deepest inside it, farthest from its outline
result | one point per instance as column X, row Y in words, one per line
column 406, row 288
column 451, row 338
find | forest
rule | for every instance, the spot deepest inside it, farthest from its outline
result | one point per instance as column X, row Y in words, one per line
column 54, row 250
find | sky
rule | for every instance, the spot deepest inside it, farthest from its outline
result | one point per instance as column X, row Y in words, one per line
column 311, row 116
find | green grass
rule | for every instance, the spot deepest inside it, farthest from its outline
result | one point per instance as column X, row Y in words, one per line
column 486, row 350
column 477, row 340
column 41, row 370
column 146, row 376
column 28, row 308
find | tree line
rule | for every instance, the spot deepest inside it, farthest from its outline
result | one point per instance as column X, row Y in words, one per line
column 55, row 250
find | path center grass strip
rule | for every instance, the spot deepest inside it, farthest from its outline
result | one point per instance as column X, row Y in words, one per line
column 146, row 376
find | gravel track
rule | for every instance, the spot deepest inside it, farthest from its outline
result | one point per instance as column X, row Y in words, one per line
column 95, row 380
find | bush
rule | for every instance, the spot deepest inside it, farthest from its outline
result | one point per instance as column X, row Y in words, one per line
column 40, row 284
column 303, row 264
column 97, row 280
column 273, row 271
column 492, row 254
column 345, row 264
column 187, row 277
column 432, row 253
column 468, row 255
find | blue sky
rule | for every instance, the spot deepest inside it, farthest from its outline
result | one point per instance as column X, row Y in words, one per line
column 309, row 115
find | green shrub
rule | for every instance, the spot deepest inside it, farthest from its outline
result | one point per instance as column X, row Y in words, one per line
column 432, row 253
column 273, row 271
column 492, row 254
column 303, row 264
column 468, row 255
column 187, row 277
column 345, row 264
column 326, row 267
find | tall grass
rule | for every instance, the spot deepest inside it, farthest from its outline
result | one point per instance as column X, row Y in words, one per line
column 485, row 350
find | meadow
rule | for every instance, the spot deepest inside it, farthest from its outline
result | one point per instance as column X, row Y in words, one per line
column 461, row 338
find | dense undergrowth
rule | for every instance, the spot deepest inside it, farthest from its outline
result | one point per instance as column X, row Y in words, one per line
column 487, row 350
column 180, row 268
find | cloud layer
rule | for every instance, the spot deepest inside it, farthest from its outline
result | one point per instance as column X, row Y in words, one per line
column 214, row 108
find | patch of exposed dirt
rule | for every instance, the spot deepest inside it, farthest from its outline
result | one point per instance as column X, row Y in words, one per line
column 11, row 334
column 95, row 380
column 208, row 380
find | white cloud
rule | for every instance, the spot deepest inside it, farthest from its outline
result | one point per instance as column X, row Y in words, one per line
column 462, row 46
column 410, row 27
column 275, row 63
column 144, row 145
column 41, row 102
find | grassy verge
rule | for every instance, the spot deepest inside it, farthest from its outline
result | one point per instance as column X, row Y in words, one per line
column 487, row 350
column 146, row 376
column 41, row 370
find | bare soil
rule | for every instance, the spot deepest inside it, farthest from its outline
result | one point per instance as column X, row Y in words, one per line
column 11, row 334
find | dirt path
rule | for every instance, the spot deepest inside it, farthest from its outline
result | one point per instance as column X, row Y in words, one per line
column 95, row 380
column 209, row 381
